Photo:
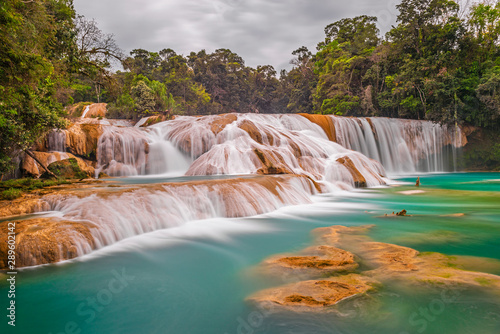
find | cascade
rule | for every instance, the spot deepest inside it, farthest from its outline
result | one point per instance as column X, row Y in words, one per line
column 90, row 219
column 402, row 146
column 56, row 141
column 313, row 153
column 122, row 151
column 85, row 111
column 129, row 151
column 269, row 144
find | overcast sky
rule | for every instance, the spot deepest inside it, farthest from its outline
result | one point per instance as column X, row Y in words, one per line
column 261, row 31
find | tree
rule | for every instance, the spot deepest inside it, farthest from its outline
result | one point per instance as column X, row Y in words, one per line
column 96, row 51
column 341, row 63
column 35, row 51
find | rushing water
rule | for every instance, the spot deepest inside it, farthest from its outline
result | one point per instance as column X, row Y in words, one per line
column 401, row 145
column 222, row 145
column 194, row 278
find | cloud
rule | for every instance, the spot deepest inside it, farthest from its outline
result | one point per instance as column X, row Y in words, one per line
column 260, row 31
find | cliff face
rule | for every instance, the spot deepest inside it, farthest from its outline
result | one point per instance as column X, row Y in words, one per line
column 82, row 139
column 482, row 152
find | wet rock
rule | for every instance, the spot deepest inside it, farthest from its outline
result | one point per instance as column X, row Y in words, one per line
column 47, row 240
column 401, row 213
column 219, row 123
column 325, row 122
column 82, row 139
column 312, row 262
column 358, row 178
column 315, row 293
column 95, row 110
column 254, row 132
column 22, row 206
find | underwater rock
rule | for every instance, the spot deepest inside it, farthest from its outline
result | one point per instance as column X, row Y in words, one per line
column 390, row 262
column 382, row 262
column 315, row 293
column 311, row 262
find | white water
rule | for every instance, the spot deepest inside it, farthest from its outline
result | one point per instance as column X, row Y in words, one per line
column 289, row 142
column 56, row 141
column 402, row 146
column 115, row 214
column 85, row 111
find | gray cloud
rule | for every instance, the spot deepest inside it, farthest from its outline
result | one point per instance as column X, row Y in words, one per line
column 261, row 31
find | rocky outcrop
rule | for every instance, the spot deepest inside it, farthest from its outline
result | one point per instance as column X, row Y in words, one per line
column 82, row 139
column 32, row 169
column 46, row 240
column 71, row 168
column 325, row 122
column 382, row 262
column 96, row 110
column 315, row 293
column 88, row 110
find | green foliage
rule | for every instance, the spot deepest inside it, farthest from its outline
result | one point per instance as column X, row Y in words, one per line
column 13, row 189
column 66, row 169
column 433, row 65
column 10, row 194
column 34, row 49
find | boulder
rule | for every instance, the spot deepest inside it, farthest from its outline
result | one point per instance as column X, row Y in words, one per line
column 31, row 168
column 69, row 169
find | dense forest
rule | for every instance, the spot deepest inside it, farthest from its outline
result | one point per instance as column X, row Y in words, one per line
column 440, row 62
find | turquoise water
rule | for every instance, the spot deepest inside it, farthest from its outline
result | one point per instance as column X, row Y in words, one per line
column 194, row 279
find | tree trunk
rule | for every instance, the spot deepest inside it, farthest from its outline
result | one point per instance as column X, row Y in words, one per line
column 28, row 152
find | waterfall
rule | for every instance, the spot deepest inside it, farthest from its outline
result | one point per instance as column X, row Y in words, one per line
column 85, row 111
column 268, row 144
column 402, row 146
column 122, row 151
column 118, row 213
column 130, row 151
column 56, row 141
column 300, row 155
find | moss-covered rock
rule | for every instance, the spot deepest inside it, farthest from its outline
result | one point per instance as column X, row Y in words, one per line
column 67, row 169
